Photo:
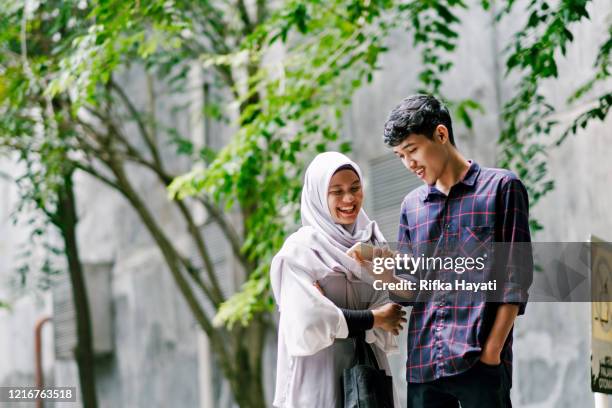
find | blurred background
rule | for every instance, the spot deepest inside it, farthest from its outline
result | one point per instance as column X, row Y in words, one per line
column 151, row 162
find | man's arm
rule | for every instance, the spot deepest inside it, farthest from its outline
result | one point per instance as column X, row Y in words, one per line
column 514, row 259
column 504, row 320
column 517, row 267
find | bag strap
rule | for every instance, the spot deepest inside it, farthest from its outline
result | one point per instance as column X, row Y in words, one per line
column 364, row 353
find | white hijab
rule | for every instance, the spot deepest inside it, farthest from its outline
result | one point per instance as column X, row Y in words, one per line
column 319, row 246
column 315, row 211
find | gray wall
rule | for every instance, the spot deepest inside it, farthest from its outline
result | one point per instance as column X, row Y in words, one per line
column 156, row 359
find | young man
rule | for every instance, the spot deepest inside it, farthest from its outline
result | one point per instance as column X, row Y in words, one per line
column 459, row 342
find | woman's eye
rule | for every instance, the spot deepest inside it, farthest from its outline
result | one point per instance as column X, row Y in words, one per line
column 337, row 192
column 355, row 189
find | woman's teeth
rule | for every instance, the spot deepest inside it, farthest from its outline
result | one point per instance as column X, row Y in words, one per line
column 347, row 210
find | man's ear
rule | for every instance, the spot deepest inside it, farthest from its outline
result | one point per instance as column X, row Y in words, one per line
column 441, row 134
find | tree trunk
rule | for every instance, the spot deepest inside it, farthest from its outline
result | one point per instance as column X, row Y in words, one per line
column 238, row 351
column 246, row 380
column 66, row 221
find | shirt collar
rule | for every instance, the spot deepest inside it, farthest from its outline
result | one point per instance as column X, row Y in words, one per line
column 469, row 179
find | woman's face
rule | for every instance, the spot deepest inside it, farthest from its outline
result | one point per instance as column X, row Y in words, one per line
column 344, row 197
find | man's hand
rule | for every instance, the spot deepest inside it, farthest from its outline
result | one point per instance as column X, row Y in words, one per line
column 389, row 317
column 490, row 356
column 504, row 320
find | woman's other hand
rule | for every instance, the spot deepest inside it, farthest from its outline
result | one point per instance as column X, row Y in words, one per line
column 319, row 288
column 389, row 317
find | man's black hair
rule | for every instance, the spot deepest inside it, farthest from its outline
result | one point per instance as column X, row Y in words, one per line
column 418, row 114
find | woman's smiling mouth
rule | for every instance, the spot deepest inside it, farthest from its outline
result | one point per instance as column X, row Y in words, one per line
column 348, row 210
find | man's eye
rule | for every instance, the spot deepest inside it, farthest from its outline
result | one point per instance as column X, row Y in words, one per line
column 412, row 150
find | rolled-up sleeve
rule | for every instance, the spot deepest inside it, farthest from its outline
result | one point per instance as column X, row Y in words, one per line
column 517, row 259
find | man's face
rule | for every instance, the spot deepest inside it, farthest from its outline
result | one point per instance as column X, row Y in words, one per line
column 423, row 156
column 344, row 197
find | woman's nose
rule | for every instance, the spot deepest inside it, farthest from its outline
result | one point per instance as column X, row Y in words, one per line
column 348, row 198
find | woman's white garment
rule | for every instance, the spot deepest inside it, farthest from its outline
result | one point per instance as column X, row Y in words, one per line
column 313, row 349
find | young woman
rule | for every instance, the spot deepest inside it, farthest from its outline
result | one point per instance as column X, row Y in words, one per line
column 322, row 298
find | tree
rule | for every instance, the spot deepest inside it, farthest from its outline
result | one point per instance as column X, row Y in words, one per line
column 528, row 117
column 288, row 107
column 47, row 185
column 60, row 63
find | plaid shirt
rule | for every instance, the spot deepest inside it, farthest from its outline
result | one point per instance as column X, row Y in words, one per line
column 448, row 329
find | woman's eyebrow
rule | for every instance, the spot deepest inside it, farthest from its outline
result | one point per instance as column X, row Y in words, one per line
column 340, row 185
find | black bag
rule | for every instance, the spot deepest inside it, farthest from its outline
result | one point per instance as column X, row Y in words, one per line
column 365, row 384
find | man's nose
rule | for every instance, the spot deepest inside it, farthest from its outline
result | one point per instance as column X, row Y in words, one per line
column 411, row 164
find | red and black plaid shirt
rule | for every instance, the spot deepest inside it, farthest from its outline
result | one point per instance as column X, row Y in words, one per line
column 447, row 329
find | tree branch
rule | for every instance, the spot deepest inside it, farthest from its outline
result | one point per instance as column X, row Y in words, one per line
column 244, row 16
column 93, row 172
column 262, row 11
column 217, row 294
column 139, row 122
column 228, row 229
column 170, row 254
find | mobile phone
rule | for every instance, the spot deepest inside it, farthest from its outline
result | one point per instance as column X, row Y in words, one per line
column 366, row 251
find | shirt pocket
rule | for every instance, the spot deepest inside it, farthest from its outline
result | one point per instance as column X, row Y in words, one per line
column 476, row 247
column 475, row 240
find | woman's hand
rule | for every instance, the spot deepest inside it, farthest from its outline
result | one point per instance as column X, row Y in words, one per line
column 383, row 252
column 319, row 288
column 386, row 275
column 389, row 317
column 377, row 252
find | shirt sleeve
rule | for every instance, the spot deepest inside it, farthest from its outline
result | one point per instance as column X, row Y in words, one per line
column 310, row 321
column 358, row 321
column 404, row 246
column 516, row 252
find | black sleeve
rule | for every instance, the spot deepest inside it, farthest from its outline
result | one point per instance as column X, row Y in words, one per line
column 358, row 321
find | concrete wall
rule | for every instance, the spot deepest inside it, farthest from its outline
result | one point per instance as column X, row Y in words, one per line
column 155, row 363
